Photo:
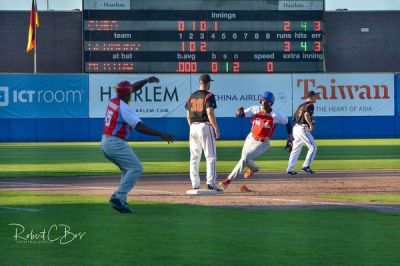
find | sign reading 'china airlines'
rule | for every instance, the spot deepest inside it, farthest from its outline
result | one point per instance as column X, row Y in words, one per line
column 347, row 94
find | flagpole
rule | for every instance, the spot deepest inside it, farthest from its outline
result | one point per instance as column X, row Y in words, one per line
column 32, row 38
column 34, row 52
column 35, row 47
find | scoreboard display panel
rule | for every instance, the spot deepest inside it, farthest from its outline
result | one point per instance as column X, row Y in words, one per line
column 203, row 36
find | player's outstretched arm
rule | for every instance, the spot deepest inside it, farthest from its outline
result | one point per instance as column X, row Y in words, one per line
column 139, row 84
column 142, row 128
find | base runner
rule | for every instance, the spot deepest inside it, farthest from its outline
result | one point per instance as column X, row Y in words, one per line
column 264, row 122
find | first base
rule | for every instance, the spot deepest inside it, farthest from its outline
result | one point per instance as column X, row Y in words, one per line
column 201, row 192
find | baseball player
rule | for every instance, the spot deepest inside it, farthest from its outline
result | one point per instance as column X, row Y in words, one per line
column 119, row 122
column 203, row 132
column 304, row 124
column 264, row 122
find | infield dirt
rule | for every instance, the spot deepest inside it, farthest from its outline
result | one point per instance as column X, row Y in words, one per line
column 269, row 190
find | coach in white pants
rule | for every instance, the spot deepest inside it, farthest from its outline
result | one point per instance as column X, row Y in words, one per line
column 304, row 124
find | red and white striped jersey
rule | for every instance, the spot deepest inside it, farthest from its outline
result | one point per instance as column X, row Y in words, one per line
column 120, row 119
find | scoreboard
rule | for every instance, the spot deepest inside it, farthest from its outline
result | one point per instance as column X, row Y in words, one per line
column 203, row 36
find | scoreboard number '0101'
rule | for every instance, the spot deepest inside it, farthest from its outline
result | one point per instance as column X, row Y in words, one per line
column 199, row 36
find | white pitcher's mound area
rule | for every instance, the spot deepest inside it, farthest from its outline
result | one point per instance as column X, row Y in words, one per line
column 200, row 192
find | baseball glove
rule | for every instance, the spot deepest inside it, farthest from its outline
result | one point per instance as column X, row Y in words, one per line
column 289, row 144
column 240, row 112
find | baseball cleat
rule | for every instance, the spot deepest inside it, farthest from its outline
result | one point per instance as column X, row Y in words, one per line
column 308, row 170
column 119, row 205
column 244, row 188
column 224, row 184
column 214, row 187
column 291, row 173
column 249, row 173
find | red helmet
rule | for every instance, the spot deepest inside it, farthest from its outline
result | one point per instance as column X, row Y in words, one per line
column 124, row 88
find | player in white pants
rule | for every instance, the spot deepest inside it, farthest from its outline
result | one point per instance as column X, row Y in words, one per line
column 264, row 122
column 203, row 133
column 303, row 118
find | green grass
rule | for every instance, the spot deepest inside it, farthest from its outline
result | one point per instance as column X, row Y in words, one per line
column 370, row 198
column 174, row 234
column 65, row 159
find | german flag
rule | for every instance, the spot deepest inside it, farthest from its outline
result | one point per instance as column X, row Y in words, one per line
column 33, row 22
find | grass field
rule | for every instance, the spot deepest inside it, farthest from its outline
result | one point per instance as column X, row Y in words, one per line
column 173, row 234
column 69, row 159
column 368, row 198
column 176, row 234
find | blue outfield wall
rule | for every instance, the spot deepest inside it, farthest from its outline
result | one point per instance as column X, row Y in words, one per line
column 84, row 129
column 81, row 128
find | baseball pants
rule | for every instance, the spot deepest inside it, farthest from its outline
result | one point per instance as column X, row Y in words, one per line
column 202, row 138
column 118, row 152
column 302, row 135
column 251, row 149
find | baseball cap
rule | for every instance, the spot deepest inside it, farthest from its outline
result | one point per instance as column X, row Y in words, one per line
column 124, row 88
column 205, row 78
column 311, row 93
